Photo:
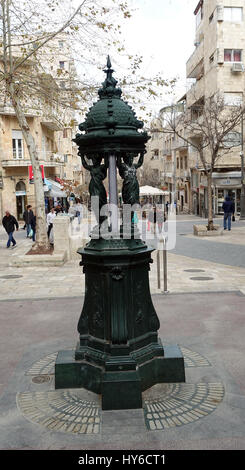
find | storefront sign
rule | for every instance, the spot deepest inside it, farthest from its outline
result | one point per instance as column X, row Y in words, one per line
column 228, row 181
column 20, row 193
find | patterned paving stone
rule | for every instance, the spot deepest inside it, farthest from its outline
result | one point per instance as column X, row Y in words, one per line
column 44, row 366
column 61, row 410
column 72, row 411
column 171, row 405
column 194, row 359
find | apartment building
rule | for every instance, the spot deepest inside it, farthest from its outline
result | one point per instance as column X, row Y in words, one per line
column 217, row 66
column 52, row 130
column 177, row 158
column 152, row 172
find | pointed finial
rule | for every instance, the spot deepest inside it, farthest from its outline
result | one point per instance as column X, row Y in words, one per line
column 108, row 62
column 109, row 85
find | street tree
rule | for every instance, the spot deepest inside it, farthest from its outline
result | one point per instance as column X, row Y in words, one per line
column 29, row 29
column 211, row 128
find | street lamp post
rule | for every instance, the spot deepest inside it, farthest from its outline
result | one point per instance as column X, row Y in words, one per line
column 119, row 353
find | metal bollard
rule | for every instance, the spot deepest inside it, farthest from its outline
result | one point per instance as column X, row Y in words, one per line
column 158, row 271
column 165, row 268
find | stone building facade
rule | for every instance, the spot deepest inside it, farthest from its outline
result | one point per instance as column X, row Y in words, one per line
column 53, row 136
column 216, row 66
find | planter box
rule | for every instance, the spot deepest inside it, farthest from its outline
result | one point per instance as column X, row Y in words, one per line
column 202, row 231
column 57, row 259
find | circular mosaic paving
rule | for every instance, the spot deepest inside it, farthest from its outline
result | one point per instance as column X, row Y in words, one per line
column 43, row 366
column 78, row 411
column 170, row 405
column 61, row 410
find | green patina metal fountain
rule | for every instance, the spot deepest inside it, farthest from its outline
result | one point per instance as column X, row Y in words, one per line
column 119, row 353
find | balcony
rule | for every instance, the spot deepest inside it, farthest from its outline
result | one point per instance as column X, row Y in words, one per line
column 179, row 144
column 51, row 119
column 195, row 63
column 8, row 110
column 196, row 92
column 169, row 169
column 166, row 150
column 48, row 159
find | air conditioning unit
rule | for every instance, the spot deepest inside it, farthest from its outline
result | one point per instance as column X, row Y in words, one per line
column 237, row 67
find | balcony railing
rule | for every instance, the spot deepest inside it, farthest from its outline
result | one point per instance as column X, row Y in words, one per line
column 196, row 92
column 178, row 144
column 46, row 158
column 166, row 150
column 194, row 60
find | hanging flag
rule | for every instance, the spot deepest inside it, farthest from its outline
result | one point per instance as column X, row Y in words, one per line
column 31, row 177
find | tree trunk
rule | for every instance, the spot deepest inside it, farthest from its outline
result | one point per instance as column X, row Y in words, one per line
column 210, row 202
column 42, row 243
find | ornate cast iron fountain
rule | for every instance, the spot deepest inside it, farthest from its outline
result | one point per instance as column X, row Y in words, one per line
column 119, row 353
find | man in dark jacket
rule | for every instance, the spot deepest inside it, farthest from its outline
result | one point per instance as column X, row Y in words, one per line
column 229, row 209
column 28, row 217
column 9, row 222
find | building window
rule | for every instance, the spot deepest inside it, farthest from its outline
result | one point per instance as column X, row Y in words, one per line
column 61, row 44
column 185, row 162
column 177, row 162
column 65, row 158
column 61, row 64
column 181, row 163
column 233, row 99
column 233, row 14
column 155, row 155
column 232, row 55
column 199, row 13
column 17, row 144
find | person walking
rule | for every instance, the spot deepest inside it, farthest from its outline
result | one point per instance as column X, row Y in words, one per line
column 33, row 227
column 160, row 218
column 50, row 218
column 79, row 210
column 9, row 223
column 229, row 209
column 28, row 216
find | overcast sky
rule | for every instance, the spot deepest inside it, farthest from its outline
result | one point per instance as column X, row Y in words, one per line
column 163, row 31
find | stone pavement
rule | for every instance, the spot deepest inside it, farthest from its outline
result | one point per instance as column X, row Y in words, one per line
column 184, row 274
column 39, row 311
column 205, row 412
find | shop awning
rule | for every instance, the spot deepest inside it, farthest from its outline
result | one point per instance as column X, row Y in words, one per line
column 54, row 189
column 151, row 191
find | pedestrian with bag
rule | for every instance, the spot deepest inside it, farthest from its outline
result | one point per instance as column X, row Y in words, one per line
column 229, row 209
column 79, row 210
column 28, row 216
column 50, row 218
column 160, row 218
column 9, row 223
column 33, row 228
